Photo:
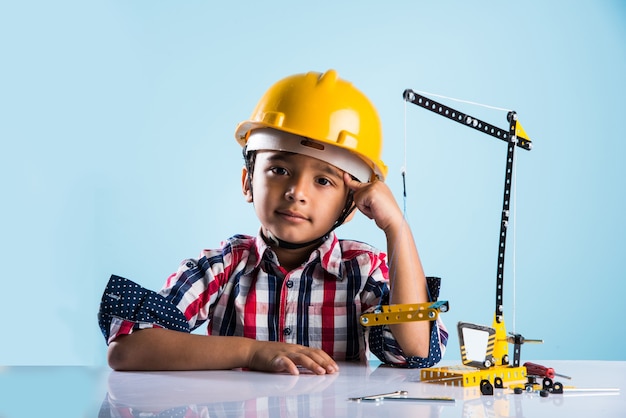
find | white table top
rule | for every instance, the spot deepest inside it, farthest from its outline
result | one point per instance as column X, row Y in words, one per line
column 105, row 393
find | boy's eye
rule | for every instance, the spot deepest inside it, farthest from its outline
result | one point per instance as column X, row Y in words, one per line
column 279, row 170
column 324, row 181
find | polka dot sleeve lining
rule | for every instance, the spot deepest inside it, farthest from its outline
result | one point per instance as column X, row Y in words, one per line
column 126, row 300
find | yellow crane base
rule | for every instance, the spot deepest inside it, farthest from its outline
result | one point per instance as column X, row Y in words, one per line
column 467, row 376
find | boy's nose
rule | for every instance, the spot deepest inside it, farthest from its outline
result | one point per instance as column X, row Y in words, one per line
column 297, row 191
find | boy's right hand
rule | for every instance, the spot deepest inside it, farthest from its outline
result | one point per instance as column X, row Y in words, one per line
column 284, row 357
column 164, row 349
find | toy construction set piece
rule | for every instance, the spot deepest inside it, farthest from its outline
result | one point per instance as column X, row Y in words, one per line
column 400, row 395
column 394, row 314
column 543, row 387
column 546, row 387
column 492, row 361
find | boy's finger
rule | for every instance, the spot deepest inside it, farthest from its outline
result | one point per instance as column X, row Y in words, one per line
column 351, row 182
column 325, row 361
column 284, row 364
column 310, row 362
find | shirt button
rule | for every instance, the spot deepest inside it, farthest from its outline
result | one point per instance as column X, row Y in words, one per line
column 287, row 331
column 289, row 284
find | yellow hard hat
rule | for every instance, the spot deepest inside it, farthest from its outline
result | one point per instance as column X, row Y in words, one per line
column 322, row 108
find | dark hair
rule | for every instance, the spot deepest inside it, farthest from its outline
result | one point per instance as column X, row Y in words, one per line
column 249, row 159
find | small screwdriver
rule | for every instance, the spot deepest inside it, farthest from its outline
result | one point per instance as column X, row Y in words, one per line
column 542, row 371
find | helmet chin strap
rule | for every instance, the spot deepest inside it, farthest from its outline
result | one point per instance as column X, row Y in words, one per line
column 273, row 241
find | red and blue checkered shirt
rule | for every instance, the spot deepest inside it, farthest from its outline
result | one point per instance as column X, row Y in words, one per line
column 241, row 289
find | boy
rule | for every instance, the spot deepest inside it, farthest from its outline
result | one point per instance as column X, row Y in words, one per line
column 289, row 298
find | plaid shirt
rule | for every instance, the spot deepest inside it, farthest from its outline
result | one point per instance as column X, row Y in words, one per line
column 241, row 289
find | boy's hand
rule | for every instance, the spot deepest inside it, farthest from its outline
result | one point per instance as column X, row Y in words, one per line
column 375, row 201
column 283, row 357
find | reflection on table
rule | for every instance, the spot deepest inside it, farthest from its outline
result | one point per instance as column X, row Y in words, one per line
column 239, row 393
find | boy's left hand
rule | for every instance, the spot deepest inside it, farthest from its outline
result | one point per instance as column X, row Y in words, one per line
column 375, row 201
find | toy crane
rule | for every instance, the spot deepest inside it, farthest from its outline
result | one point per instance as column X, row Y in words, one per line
column 495, row 366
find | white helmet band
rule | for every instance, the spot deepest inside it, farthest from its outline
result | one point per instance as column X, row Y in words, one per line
column 275, row 140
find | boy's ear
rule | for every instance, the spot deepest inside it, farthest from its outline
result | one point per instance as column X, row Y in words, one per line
column 245, row 185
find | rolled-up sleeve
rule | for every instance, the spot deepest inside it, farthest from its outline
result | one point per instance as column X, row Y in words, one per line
column 384, row 346
column 126, row 306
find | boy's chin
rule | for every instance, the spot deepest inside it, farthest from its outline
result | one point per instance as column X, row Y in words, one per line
column 292, row 238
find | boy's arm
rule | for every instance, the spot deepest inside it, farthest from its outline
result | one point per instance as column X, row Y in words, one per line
column 407, row 279
column 145, row 331
column 407, row 285
column 163, row 349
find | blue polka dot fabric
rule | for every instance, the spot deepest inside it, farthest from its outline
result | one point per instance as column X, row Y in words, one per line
column 125, row 299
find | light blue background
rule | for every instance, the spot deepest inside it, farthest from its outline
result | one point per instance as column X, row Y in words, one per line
column 117, row 121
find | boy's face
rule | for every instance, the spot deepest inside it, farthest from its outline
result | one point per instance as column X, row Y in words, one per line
column 297, row 198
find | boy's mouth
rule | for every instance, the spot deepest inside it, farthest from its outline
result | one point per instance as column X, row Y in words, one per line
column 291, row 215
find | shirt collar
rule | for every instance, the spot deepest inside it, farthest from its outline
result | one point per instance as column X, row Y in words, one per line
column 329, row 254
